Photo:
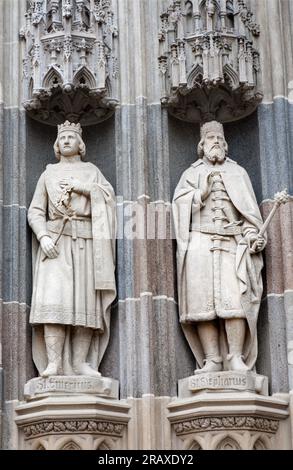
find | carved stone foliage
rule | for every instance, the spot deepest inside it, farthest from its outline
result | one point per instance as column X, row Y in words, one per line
column 250, row 423
column 70, row 63
column 208, row 62
column 75, row 426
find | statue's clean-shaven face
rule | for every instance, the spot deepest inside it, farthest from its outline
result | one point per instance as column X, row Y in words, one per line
column 214, row 147
column 68, row 143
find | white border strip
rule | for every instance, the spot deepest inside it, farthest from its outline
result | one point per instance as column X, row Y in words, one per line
column 287, row 291
column 148, row 294
column 12, row 205
column 15, row 302
column 277, row 97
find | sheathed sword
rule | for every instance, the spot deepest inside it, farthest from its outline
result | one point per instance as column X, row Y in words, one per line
column 65, row 201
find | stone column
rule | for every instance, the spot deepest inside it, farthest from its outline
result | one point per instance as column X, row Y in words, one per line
column 15, row 238
column 275, row 120
column 1, row 196
column 152, row 351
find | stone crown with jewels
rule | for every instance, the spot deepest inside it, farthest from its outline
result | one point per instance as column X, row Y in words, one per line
column 70, row 126
column 212, row 126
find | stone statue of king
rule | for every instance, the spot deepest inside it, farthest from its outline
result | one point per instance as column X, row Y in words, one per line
column 73, row 216
column 217, row 223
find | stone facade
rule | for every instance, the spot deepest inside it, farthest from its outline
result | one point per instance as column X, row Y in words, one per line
column 142, row 149
column 69, row 64
column 208, row 60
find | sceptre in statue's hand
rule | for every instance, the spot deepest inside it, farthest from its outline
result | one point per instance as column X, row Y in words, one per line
column 280, row 198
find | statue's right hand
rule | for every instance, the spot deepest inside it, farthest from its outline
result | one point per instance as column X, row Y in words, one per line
column 49, row 247
column 206, row 187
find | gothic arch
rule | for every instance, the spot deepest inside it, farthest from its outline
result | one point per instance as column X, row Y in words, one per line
column 228, row 443
column 71, row 445
column 259, row 445
column 194, row 445
column 84, row 77
column 195, row 74
column 39, row 445
column 260, row 442
column 215, row 2
column 230, row 14
column 203, row 11
column 104, row 444
column 52, row 78
column 231, row 75
column 188, row 9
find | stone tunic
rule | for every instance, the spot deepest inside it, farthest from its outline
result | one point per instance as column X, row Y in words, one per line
column 212, row 251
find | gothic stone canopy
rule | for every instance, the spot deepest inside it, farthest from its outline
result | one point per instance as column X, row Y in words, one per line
column 69, row 65
column 208, row 61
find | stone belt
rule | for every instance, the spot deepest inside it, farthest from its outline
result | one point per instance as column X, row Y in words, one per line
column 74, row 227
column 210, row 229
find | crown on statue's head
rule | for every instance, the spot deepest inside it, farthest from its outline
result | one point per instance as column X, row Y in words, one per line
column 70, row 126
column 212, row 126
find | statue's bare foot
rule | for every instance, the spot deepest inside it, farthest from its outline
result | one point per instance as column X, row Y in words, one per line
column 236, row 363
column 52, row 369
column 211, row 365
column 85, row 369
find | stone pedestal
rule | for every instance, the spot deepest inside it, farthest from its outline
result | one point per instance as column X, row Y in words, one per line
column 59, row 384
column 72, row 422
column 227, row 381
column 228, row 421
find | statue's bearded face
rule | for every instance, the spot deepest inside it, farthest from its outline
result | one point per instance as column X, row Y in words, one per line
column 68, row 143
column 214, row 147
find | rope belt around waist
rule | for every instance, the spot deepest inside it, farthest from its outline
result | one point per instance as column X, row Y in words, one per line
column 210, row 229
column 74, row 227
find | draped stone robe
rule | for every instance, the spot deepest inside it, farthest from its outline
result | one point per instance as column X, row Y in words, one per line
column 78, row 287
column 240, row 272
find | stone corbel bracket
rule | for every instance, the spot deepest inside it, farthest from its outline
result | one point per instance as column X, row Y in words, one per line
column 227, row 421
column 77, row 422
column 208, row 62
column 69, row 61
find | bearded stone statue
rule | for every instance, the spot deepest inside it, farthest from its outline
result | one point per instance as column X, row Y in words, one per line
column 217, row 223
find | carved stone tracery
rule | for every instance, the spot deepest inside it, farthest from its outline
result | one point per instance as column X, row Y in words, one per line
column 228, row 444
column 228, row 422
column 208, row 60
column 73, row 426
column 69, row 65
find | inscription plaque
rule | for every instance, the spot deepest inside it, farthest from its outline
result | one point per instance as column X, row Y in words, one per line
column 101, row 386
